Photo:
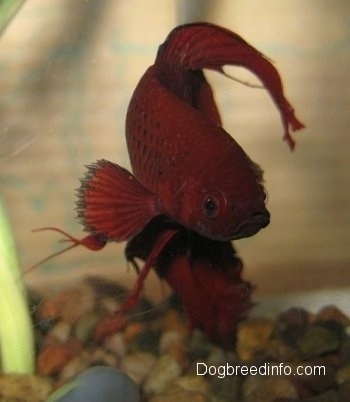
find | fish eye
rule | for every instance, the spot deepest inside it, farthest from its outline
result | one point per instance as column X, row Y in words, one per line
column 210, row 206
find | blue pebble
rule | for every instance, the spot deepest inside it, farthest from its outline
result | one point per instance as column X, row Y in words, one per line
column 98, row 384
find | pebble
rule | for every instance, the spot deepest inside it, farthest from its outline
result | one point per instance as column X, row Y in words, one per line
column 133, row 329
column 53, row 358
column 177, row 395
column 60, row 331
column 84, row 326
column 99, row 356
column 328, row 396
column 347, row 330
column 216, row 356
column 321, row 382
column 279, row 351
column 227, row 388
column 291, row 324
column 172, row 343
column 138, row 365
column 344, row 392
column 165, row 370
column 332, row 313
column 69, row 304
column 174, row 321
column 24, row 388
column 344, row 351
column 267, row 389
column 252, row 337
column 103, row 384
column 144, row 311
column 192, row 383
column 198, row 346
column 343, row 374
column 169, row 338
column 76, row 365
column 109, row 305
column 318, row 340
column 288, row 400
column 146, row 341
column 116, row 344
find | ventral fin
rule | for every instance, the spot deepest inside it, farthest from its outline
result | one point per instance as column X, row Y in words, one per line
column 112, row 202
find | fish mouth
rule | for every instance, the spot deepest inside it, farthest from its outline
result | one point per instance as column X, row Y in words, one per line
column 251, row 226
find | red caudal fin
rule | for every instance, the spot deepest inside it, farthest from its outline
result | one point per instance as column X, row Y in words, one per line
column 112, row 202
column 92, row 242
column 202, row 45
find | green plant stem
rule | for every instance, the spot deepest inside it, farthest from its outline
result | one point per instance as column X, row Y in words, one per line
column 16, row 330
column 8, row 9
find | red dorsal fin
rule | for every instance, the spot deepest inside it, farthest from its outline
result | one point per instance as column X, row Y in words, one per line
column 202, row 45
column 112, row 202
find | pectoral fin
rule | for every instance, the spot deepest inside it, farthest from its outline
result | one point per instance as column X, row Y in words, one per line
column 112, row 202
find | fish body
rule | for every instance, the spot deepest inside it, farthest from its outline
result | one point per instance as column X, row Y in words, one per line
column 188, row 160
column 185, row 165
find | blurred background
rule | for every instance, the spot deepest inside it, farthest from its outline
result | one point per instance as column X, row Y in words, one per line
column 67, row 72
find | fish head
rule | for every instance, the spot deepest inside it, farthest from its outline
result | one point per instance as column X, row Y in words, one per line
column 225, row 206
column 223, row 218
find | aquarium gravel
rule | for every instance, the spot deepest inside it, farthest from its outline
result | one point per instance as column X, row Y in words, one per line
column 296, row 356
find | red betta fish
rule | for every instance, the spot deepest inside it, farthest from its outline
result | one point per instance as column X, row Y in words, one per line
column 186, row 167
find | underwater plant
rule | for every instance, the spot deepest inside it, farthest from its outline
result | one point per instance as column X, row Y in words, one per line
column 16, row 332
column 16, row 329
